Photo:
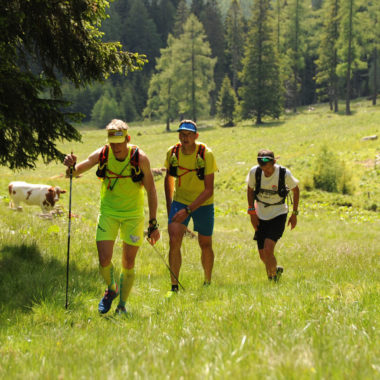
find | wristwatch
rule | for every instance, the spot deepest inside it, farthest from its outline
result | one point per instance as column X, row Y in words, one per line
column 188, row 210
column 295, row 212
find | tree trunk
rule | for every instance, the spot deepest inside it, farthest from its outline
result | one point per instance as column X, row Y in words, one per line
column 169, row 106
column 295, row 99
column 193, row 111
column 374, row 96
column 258, row 119
column 349, row 59
column 335, row 76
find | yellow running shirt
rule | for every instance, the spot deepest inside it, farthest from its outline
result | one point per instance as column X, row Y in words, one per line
column 126, row 199
column 188, row 186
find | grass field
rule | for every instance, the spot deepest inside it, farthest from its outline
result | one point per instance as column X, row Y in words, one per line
column 320, row 322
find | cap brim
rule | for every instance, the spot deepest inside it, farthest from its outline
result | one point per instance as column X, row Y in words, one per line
column 116, row 139
column 186, row 129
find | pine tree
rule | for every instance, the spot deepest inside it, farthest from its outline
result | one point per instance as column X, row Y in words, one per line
column 373, row 43
column 194, row 68
column 261, row 89
column 348, row 49
column 211, row 19
column 294, row 42
column 197, row 7
column 42, row 42
column 163, row 14
column 180, row 18
column 184, row 77
column 227, row 102
column 235, row 36
column 140, row 32
column 327, row 62
column 162, row 97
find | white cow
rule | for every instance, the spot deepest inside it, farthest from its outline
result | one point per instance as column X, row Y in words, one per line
column 44, row 196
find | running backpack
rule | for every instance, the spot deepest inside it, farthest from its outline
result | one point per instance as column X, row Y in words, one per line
column 200, row 157
column 136, row 174
column 282, row 189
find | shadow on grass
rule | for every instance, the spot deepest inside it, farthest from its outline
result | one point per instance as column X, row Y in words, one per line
column 342, row 112
column 27, row 279
column 271, row 124
column 201, row 128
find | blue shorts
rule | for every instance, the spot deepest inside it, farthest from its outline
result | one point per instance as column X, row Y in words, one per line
column 203, row 217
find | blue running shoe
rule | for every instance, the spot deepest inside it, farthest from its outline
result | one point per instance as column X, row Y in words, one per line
column 106, row 302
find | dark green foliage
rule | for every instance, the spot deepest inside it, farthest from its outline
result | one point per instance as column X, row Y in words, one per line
column 40, row 42
column 197, row 7
column 261, row 89
column 327, row 62
column 184, row 78
column 295, row 47
column 211, row 19
column 163, row 14
column 140, row 32
column 234, row 39
column 181, row 16
column 227, row 102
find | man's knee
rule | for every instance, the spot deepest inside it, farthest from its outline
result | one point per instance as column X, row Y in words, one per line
column 176, row 232
column 205, row 243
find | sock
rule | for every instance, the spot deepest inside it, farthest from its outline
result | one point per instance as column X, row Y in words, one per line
column 174, row 288
column 107, row 274
column 127, row 277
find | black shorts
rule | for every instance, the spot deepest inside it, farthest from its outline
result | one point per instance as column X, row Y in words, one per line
column 270, row 229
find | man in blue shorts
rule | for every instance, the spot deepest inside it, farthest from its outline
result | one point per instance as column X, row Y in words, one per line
column 268, row 186
column 189, row 189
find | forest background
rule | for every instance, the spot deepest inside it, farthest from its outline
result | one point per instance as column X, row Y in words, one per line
column 320, row 51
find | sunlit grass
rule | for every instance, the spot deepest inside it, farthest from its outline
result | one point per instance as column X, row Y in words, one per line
column 320, row 322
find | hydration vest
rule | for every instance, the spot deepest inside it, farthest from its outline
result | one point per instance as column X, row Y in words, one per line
column 136, row 174
column 282, row 189
column 200, row 159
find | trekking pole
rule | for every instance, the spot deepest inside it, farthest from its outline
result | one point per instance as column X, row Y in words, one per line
column 68, row 237
column 167, row 266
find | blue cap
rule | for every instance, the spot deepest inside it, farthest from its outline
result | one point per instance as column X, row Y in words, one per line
column 187, row 126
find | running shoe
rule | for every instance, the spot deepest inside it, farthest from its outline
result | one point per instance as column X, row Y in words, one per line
column 278, row 274
column 106, row 302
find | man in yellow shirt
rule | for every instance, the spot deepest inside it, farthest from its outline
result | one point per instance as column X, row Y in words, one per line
column 189, row 189
column 125, row 170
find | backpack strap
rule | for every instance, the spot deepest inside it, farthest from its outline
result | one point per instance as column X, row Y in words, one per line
column 174, row 154
column 282, row 189
column 201, row 151
column 176, row 149
column 201, row 168
column 137, row 173
column 103, row 159
column 258, row 182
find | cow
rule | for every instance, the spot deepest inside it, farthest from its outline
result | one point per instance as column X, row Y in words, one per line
column 158, row 172
column 44, row 196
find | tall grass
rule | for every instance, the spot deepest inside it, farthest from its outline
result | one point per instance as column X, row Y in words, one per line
column 320, row 322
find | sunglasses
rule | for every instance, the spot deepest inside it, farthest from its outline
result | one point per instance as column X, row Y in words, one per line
column 264, row 160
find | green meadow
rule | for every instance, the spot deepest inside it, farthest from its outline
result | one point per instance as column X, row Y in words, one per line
column 320, row 322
